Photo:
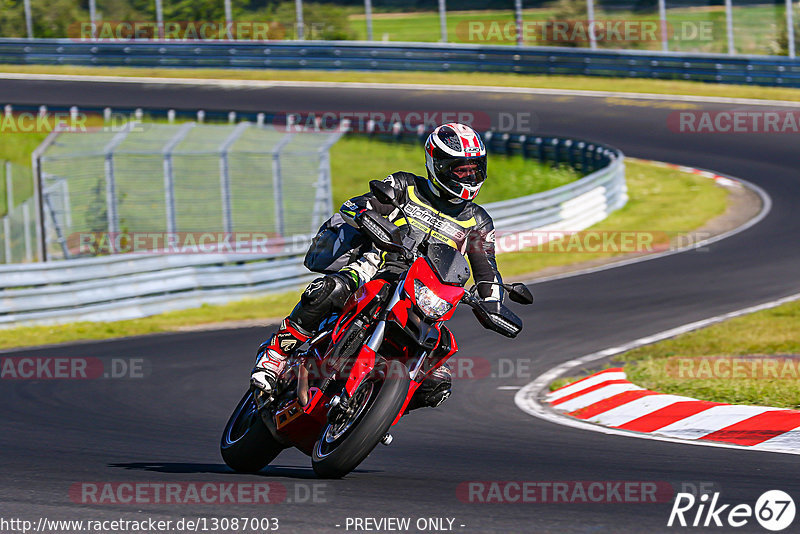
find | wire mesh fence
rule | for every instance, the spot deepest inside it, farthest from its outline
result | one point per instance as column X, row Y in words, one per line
column 160, row 187
column 760, row 27
column 18, row 225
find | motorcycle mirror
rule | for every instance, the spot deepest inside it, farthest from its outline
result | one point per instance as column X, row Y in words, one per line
column 520, row 294
column 383, row 192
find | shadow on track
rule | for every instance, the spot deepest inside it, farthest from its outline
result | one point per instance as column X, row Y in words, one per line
column 271, row 471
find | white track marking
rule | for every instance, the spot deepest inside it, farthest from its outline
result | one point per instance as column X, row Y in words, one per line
column 583, row 384
column 527, row 399
column 596, row 396
column 636, row 409
column 265, row 84
column 788, row 441
column 710, row 420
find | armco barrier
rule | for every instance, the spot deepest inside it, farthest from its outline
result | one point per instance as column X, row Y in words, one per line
column 348, row 55
column 128, row 286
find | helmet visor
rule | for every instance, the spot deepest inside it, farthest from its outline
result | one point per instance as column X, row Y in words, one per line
column 465, row 171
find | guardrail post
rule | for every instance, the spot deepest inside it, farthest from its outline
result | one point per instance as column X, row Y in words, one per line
column 540, row 155
column 169, row 181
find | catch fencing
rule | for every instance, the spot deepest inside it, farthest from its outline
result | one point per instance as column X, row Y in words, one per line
column 130, row 188
column 124, row 286
column 18, row 225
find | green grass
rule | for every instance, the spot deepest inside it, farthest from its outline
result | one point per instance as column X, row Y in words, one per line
column 594, row 83
column 653, row 194
column 17, row 148
column 755, row 27
column 651, row 188
column 509, row 177
column 773, row 332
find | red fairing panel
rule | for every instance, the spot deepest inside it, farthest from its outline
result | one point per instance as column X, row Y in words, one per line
column 421, row 271
column 357, row 302
column 361, row 368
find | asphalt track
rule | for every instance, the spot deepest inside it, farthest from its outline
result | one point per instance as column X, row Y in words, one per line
column 165, row 427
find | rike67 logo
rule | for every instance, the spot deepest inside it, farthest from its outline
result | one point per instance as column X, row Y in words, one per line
column 774, row 510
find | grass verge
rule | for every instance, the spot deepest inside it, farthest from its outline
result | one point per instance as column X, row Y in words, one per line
column 594, row 83
column 746, row 360
column 652, row 190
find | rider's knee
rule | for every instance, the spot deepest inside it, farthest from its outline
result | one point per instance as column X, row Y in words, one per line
column 322, row 296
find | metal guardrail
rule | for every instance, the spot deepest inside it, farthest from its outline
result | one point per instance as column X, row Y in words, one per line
column 129, row 286
column 740, row 69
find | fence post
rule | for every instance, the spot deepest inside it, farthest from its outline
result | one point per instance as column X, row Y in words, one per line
column 368, row 15
column 38, row 200
column 277, row 183
column 228, row 20
column 590, row 16
column 224, row 175
column 112, row 212
column 790, row 27
column 662, row 21
column 7, row 218
column 518, row 20
column 729, row 26
column 169, row 179
column 298, row 7
column 28, row 19
column 26, row 222
column 93, row 17
column 443, row 20
column 160, row 18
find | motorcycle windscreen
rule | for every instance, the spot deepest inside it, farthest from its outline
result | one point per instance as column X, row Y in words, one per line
column 448, row 263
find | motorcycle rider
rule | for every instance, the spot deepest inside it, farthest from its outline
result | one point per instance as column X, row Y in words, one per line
column 441, row 207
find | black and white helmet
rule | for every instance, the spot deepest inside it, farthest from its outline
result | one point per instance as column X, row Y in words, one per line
column 456, row 160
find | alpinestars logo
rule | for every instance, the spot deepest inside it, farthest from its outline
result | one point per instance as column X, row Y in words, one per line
column 446, row 227
column 774, row 510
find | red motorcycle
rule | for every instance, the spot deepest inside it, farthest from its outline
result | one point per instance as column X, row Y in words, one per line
column 344, row 388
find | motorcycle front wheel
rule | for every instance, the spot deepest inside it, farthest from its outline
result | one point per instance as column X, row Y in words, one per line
column 344, row 444
column 247, row 446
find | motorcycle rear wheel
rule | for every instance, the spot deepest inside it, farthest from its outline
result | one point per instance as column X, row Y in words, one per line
column 343, row 446
column 247, row 446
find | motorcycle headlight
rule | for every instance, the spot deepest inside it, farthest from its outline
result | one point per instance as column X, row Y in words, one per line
column 429, row 302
